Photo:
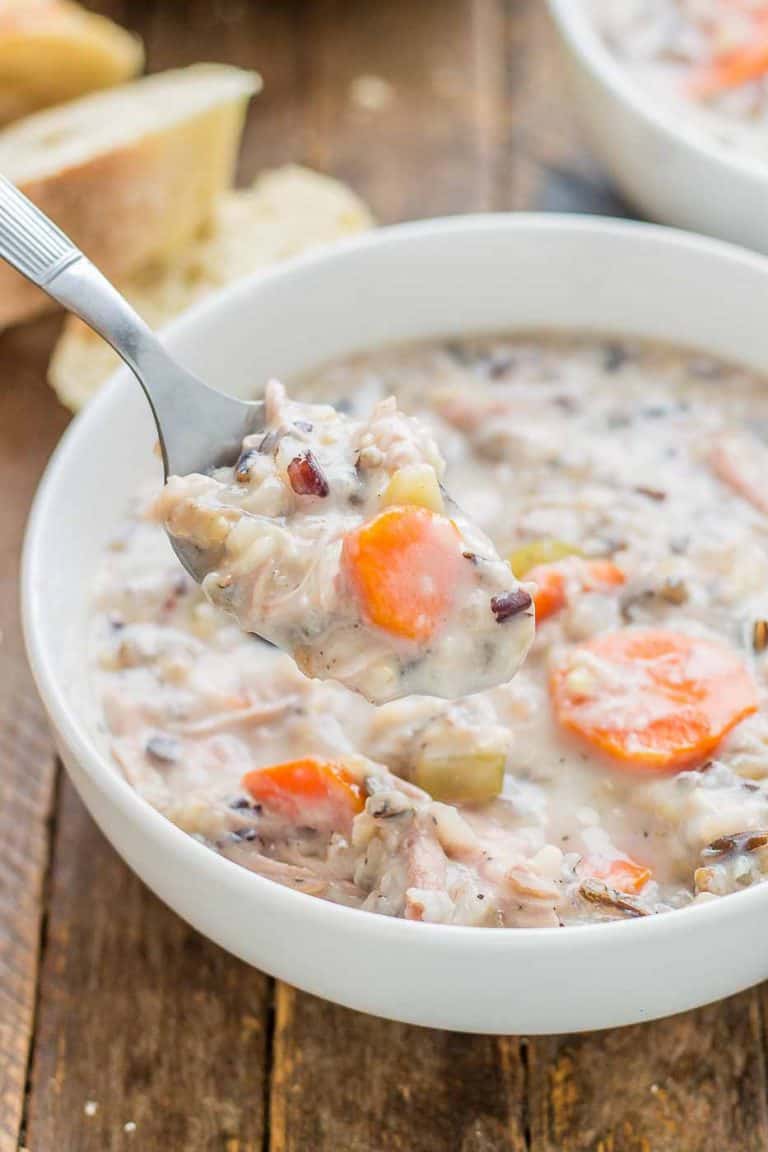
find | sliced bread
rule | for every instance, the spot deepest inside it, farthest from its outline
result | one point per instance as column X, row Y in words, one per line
column 130, row 174
column 53, row 50
column 285, row 212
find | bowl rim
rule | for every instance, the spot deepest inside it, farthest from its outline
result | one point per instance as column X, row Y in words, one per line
column 578, row 29
column 104, row 772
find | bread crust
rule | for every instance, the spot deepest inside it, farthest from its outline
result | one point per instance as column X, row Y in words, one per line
column 285, row 212
column 55, row 50
column 135, row 204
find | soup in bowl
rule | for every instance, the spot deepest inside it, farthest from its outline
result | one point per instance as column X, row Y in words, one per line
column 596, row 389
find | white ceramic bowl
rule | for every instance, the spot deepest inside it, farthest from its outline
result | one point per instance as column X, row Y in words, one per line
column 433, row 278
column 668, row 168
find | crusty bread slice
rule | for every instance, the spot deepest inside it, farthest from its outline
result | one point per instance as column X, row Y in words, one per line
column 53, row 50
column 130, row 174
column 285, row 212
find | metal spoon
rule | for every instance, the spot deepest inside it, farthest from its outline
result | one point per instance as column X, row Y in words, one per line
column 199, row 428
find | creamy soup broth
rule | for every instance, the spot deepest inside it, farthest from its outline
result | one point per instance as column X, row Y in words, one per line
column 622, row 772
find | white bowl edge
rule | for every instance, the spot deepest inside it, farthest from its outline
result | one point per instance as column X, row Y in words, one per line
column 668, row 168
column 532, row 980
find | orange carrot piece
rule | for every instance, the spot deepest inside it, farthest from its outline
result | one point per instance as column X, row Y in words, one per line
column 653, row 700
column 404, row 565
column 729, row 70
column 622, row 874
column 552, row 581
column 307, row 791
column 551, row 593
column 602, row 574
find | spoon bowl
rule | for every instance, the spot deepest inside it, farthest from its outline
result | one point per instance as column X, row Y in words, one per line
column 199, row 428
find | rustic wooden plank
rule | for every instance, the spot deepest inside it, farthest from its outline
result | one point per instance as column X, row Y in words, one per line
column 30, row 422
column 545, row 163
column 142, row 1021
column 696, row 1081
column 397, row 101
column 264, row 36
column 345, row 1081
column 401, row 101
column 464, row 112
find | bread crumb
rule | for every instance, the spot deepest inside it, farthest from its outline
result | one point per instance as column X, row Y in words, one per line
column 90, row 1107
column 373, row 93
column 130, row 1126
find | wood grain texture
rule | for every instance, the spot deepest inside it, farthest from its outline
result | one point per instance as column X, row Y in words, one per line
column 264, row 36
column 696, row 1081
column 430, row 107
column 543, row 163
column 30, row 423
column 397, row 99
column 403, row 101
column 346, row 1081
column 140, row 1016
column 147, row 1036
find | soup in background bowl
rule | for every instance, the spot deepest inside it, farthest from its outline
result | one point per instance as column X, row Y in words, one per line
column 672, row 98
column 705, row 61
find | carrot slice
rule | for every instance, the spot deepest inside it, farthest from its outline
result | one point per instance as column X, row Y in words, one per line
column 309, row 791
column 729, row 70
column 554, row 581
column 404, row 566
column 654, row 700
column 622, row 874
column 551, row 592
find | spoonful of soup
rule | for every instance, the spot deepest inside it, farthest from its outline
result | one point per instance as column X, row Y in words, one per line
column 331, row 537
column 334, row 538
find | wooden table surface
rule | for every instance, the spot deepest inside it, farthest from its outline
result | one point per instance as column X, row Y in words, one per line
column 120, row 1027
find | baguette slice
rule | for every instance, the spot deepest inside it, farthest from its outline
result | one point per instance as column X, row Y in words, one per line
column 53, row 50
column 131, row 174
column 285, row 212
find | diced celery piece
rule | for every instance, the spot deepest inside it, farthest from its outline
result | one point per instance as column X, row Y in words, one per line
column 470, row 779
column 543, row 551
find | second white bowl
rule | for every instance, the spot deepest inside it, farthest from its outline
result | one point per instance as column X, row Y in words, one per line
column 665, row 167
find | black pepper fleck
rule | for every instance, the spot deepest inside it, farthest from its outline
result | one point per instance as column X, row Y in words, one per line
column 247, row 834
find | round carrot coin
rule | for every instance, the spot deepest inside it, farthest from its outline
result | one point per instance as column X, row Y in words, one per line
column 653, row 700
column 404, row 566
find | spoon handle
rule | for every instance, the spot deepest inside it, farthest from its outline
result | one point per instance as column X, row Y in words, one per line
column 39, row 250
column 29, row 240
column 196, row 424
